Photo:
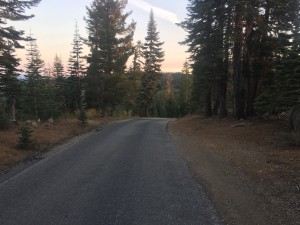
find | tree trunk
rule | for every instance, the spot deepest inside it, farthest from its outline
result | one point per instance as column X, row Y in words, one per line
column 101, row 97
column 259, row 57
column 13, row 110
column 224, row 80
column 146, row 113
column 238, row 83
column 248, row 72
column 252, row 96
column 36, row 108
column 216, row 106
column 208, row 109
column 222, row 60
column 223, row 98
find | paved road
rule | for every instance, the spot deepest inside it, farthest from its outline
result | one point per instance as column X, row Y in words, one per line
column 129, row 173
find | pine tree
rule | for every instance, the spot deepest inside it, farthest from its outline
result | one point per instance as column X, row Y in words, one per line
column 76, row 71
column 60, row 86
column 134, row 80
column 110, row 41
column 58, row 67
column 76, row 65
column 185, row 90
column 169, row 98
column 152, row 51
column 10, row 40
column 262, row 34
column 282, row 90
column 9, row 83
column 202, row 34
column 186, row 81
column 82, row 113
column 4, row 118
column 10, row 37
column 33, row 91
column 137, row 57
column 25, row 140
column 153, row 56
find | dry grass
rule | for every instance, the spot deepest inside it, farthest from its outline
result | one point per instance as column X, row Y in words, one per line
column 45, row 136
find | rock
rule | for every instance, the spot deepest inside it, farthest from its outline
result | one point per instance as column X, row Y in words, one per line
column 99, row 129
column 51, row 120
column 34, row 124
column 283, row 116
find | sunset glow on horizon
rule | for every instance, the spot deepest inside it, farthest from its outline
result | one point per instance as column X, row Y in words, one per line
column 53, row 27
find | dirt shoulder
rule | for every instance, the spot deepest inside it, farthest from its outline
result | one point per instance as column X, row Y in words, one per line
column 248, row 168
column 45, row 136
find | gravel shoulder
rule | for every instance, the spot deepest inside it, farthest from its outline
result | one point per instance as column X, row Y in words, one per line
column 248, row 168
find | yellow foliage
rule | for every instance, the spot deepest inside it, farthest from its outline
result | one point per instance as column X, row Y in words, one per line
column 92, row 113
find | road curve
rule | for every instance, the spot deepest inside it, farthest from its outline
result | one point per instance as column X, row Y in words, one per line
column 129, row 173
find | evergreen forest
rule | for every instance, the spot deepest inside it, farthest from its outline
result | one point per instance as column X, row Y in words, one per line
column 244, row 62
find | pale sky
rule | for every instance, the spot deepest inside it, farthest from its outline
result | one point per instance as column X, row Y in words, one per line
column 54, row 22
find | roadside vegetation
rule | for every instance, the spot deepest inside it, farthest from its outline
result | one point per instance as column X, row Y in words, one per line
column 32, row 140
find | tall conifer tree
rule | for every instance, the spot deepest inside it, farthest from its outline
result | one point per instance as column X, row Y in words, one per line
column 202, row 29
column 9, row 83
column 9, row 36
column 10, row 40
column 110, row 41
column 76, row 65
column 76, row 72
column 58, row 67
column 60, row 85
column 282, row 90
column 185, row 90
column 134, row 80
column 153, row 56
column 137, row 57
column 33, row 92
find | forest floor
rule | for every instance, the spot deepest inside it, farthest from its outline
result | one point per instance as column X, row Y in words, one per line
column 250, row 169
column 45, row 136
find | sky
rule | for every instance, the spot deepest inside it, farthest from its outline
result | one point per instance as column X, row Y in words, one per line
column 54, row 24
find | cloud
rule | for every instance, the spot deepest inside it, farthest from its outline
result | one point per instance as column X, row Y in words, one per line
column 159, row 12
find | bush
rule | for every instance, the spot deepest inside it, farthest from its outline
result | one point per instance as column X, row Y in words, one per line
column 25, row 139
column 92, row 113
column 82, row 117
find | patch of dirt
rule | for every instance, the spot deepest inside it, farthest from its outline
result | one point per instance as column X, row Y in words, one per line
column 248, row 167
column 46, row 135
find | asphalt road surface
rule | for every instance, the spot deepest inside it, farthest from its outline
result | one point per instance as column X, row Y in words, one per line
column 128, row 173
